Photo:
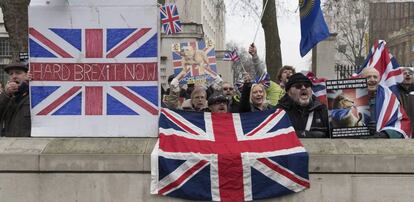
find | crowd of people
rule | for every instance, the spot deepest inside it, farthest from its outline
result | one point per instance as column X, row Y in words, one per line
column 291, row 92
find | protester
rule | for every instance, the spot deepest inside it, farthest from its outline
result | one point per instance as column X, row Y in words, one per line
column 232, row 96
column 283, row 75
column 406, row 90
column 373, row 78
column 198, row 100
column 15, row 103
column 309, row 117
column 218, row 103
column 274, row 91
column 253, row 96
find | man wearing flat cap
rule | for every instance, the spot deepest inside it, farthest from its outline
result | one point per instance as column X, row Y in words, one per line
column 15, row 103
column 309, row 117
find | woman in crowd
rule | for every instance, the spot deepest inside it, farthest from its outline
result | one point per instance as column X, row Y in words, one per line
column 253, row 97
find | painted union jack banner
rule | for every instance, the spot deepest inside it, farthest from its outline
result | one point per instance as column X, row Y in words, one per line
column 170, row 19
column 194, row 62
column 89, row 75
column 228, row 157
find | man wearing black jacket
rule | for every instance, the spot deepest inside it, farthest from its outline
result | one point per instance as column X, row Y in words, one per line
column 15, row 103
column 309, row 117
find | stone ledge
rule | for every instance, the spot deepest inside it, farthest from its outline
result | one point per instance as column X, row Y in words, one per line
column 133, row 155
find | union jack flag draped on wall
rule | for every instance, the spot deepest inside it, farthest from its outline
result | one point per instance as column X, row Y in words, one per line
column 105, row 77
column 228, row 157
column 381, row 59
column 389, row 114
column 200, row 67
column 170, row 19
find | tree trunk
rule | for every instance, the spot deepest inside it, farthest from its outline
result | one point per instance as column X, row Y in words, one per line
column 15, row 17
column 273, row 52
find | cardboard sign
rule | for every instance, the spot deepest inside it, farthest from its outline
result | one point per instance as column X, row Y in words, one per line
column 94, row 66
column 348, row 107
column 194, row 62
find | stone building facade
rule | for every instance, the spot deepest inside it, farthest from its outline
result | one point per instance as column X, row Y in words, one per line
column 393, row 21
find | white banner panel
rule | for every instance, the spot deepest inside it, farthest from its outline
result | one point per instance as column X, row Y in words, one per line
column 94, row 66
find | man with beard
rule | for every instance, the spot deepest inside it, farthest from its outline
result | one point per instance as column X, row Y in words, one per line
column 406, row 90
column 15, row 103
column 309, row 117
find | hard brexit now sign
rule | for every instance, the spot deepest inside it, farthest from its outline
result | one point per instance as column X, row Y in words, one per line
column 94, row 68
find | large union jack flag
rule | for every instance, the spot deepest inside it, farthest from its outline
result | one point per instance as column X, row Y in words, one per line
column 170, row 19
column 201, row 66
column 228, row 157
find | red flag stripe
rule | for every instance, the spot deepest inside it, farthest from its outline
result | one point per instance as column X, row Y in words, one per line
column 93, row 100
column 285, row 141
column 94, row 43
column 183, row 177
column 394, row 73
column 59, row 101
column 284, row 172
column 136, row 100
column 128, row 42
column 49, row 43
column 230, row 164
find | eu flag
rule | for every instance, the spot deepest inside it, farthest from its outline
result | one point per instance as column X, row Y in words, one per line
column 313, row 25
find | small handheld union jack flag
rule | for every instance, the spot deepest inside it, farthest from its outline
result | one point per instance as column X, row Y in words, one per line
column 170, row 19
column 231, row 56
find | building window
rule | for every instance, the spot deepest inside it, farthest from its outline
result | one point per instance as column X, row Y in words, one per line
column 5, row 49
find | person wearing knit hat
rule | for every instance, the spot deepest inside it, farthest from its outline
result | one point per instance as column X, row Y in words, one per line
column 309, row 117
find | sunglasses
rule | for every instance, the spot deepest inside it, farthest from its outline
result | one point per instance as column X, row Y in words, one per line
column 231, row 88
column 299, row 85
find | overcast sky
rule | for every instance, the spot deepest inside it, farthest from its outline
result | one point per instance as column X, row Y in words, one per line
column 242, row 29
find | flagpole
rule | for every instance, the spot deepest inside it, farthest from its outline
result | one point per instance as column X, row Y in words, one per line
column 258, row 24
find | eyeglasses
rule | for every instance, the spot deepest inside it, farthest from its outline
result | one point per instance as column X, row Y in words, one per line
column 299, row 85
column 230, row 88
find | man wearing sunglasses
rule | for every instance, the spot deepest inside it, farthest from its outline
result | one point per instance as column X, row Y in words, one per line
column 309, row 117
column 233, row 98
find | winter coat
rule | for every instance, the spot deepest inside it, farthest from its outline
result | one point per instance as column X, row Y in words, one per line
column 299, row 116
column 407, row 100
column 15, row 115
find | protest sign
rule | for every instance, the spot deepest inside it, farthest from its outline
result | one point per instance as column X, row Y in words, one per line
column 94, row 66
column 194, row 62
column 348, row 107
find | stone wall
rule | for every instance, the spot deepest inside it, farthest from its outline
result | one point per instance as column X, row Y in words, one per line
column 117, row 169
